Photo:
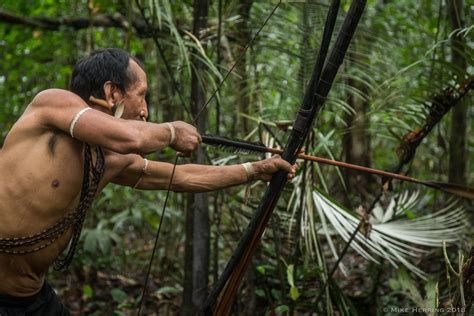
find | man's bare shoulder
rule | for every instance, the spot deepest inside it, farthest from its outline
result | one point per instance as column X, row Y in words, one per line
column 33, row 125
column 54, row 97
column 32, row 119
column 53, row 109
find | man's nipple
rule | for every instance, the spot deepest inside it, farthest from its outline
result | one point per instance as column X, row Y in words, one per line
column 55, row 184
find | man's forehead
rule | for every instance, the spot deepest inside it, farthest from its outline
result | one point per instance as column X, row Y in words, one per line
column 140, row 75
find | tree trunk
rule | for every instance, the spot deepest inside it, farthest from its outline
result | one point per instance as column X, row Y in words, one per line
column 216, row 195
column 356, row 140
column 243, row 95
column 187, row 305
column 457, row 143
column 199, row 203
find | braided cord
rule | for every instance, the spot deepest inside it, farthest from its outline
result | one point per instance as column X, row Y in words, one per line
column 35, row 242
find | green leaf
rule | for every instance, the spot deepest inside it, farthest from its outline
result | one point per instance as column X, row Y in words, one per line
column 168, row 289
column 118, row 295
column 394, row 284
column 432, row 294
column 260, row 293
column 282, row 309
column 276, row 294
column 294, row 293
column 409, row 286
column 104, row 242
column 90, row 240
column 87, row 291
column 289, row 274
column 410, row 214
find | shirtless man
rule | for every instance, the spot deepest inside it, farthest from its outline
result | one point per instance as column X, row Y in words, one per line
column 63, row 145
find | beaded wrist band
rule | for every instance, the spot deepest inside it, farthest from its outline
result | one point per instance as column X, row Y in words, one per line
column 145, row 167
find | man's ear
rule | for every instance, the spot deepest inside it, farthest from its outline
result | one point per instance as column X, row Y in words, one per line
column 112, row 93
column 114, row 98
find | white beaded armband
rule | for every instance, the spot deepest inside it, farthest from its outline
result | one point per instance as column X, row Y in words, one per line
column 172, row 133
column 75, row 119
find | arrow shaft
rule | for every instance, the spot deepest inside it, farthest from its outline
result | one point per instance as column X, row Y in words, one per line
column 360, row 168
column 459, row 190
column 221, row 141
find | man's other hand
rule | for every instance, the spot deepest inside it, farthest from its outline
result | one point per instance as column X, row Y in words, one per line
column 187, row 138
column 264, row 169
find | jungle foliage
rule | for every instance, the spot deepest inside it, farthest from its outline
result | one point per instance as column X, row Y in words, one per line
column 408, row 60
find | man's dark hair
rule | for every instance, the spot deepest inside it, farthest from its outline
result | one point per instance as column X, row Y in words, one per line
column 102, row 65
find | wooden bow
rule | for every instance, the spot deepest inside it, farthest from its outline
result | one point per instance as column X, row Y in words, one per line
column 221, row 297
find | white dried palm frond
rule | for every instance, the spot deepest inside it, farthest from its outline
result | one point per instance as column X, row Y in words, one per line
column 395, row 240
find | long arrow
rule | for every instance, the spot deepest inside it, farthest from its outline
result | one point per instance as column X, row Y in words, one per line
column 455, row 189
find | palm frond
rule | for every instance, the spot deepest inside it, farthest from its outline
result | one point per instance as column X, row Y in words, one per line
column 395, row 240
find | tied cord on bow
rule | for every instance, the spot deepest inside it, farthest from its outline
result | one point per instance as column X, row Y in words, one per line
column 176, row 91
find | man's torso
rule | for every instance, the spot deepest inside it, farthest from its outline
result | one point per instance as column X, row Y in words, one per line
column 41, row 174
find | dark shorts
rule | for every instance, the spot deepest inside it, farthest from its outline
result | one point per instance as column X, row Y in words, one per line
column 45, row 303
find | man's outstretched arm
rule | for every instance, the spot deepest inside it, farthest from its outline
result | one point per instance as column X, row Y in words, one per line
column 196, row 178
column 56, row 108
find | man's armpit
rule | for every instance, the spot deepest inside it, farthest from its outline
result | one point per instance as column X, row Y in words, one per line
column 126, row 168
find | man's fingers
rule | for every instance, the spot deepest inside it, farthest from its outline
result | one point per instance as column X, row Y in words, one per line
column 283, row 164
column 269, row 166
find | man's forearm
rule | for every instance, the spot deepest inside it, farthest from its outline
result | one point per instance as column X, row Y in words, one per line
column 152, row 137
column 202, row 178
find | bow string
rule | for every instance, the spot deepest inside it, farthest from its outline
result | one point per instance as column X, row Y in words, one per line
column 194, row 120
